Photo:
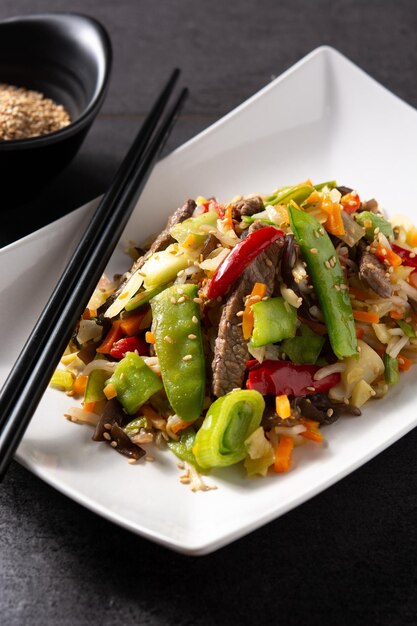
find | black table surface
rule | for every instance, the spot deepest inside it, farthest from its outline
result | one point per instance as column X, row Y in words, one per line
column 349, row 555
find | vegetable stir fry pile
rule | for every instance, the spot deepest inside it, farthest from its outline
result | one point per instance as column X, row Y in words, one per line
column 246, row 327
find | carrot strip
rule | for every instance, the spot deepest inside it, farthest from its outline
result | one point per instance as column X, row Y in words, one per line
column 228, row 216
column 312, row 431
column 404, row 364
column 366, row 316
column 89, row 406
column 283, row 452
column 114, row 334
column 359, row 332
column 386, row 254
column 149, row 337
column 334, row 222
column 133, row 324
column 258, row 292
column 396, row 315
column 80, row 383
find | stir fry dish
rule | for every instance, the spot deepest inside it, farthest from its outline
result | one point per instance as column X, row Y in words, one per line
column 246, row 327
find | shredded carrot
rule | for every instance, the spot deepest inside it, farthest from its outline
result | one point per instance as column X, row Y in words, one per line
column 150, row 337
column 282, row 406
column 283, row 452
column 228, row 216
column 93, row 313
column 312, row 431
column 334, row 222
column 110, row 391
column 359, row 294
column 386, row 254
column 366, row 316
column 86, row 314
column 80, row 383
column 359, row 332
column 258, row 292
column 115, row 333
column 396, row 315
column 89, row 406
column 134, row 323
column 404, row 364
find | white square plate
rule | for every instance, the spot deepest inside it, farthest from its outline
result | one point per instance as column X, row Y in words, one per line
column 322, row 119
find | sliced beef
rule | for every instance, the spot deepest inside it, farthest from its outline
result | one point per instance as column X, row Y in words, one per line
column 164, row 238
column 373, row 273
column 247, row 206
column 230, row 351
column 162, row 242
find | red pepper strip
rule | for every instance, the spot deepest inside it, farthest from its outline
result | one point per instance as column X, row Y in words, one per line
column 128, row 344
column 283, row 377
column 406, row 255
column 240, row 257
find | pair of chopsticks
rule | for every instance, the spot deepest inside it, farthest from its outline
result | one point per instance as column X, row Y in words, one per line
column 30, row 375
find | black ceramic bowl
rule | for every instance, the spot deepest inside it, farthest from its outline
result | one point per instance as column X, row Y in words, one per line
column 68, row 58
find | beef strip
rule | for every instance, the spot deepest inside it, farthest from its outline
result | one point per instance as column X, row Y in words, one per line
column 247, row 206
column 231, row 351
column 373, row 273
column 162, row 242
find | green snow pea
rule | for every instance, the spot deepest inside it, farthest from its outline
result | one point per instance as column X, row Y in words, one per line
column 274, row 320
column 328, row 281
column 183, row 448
column 134, row 381
column 179, row 346
column 304, row 348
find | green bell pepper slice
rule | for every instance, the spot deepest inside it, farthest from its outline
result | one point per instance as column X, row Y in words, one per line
column 135, row 382
column 274, row 320
column 230, row 420
column 304, row 348
column 328, row 280
column 370, row 221
column 179, row 346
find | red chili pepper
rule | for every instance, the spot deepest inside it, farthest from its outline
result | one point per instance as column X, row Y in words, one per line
column 128, row 344
column 408, row 258
column 283, row 377
column 240, row 257
column 350, row 202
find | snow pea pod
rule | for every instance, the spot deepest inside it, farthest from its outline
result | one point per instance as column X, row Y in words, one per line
column 328, row 281
column 179, row 346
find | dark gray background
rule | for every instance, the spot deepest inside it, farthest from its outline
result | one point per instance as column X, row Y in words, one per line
column 348, row 556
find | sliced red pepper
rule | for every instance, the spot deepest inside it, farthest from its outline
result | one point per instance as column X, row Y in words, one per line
column 408, row 257
column 114, row 334
column 128, row 344
column 283, row 377
column 350, row 202
column 240, row 257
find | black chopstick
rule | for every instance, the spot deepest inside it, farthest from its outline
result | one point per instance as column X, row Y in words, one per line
column 25, row 384
column 86, row 246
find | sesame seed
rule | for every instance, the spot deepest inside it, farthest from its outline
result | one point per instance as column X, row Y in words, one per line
column 180, row 465
column 132, row 461
column 107, row 426
column 345, row 400
column 329, row 412
column 268, row 262
column 239, row 313
column 194, row 319
column 191, row 336
column 113, row 444
column 168, row 339
column 311, row 389
column 185, row 480
column 187, row 357
column 327, row 264
column 181, row 300
column 412, row 255
column 107, row 436
column 316, row 233
column 173, row 301
column 198, row 300
column 313, row 250
column 149, row 458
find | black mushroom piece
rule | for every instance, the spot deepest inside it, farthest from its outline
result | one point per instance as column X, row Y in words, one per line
column 289, row 258
column 317, row 407
column 373, row 274
column 162, row 242
column 230, row 350
column 110, row 430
